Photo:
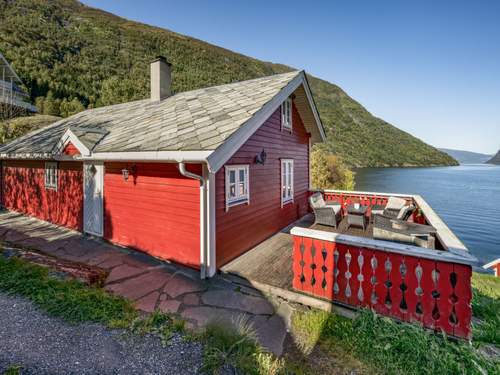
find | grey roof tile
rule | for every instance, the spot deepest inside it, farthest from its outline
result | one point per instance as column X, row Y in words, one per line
column 195, row 120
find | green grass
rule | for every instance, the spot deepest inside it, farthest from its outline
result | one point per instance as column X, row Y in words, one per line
column 486, row 308
column 388, row 347
column 236, row 346
column 70, row 300
column 13, row 370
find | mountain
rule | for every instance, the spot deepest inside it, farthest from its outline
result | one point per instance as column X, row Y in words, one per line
column 466, row 157
column 68, row 53
column 495, row 159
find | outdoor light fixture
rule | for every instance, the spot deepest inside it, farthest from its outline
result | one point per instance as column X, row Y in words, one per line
column 261, row 158
column 125, row 174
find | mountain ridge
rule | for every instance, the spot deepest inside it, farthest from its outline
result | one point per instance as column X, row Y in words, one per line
column 67, row 51
column 467, row 157
column 495, row 159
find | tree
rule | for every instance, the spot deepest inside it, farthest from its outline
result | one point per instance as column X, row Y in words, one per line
column 329, row 172
column 68, row 108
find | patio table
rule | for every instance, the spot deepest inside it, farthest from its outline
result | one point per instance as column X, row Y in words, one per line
column 356, row 216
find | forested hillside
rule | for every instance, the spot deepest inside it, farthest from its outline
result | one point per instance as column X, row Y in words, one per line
column 71, row 57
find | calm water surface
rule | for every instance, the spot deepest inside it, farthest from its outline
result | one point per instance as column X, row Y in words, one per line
column 466, row 197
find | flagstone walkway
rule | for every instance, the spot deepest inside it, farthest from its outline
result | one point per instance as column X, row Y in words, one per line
column 153, row 284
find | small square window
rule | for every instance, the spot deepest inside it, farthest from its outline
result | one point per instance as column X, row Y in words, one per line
column 236, row 185
column 286, row 114
column 51, row 175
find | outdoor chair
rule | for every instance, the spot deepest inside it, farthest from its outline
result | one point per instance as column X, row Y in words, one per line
column 325, row 213
column 395, row 208
column 385, row 228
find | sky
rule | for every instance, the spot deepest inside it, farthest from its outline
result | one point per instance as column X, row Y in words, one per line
column 431, row 68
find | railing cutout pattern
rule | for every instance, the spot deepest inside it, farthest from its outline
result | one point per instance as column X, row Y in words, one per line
column 433, row 293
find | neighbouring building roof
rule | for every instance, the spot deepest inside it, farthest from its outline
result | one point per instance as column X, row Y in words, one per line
column 198, row 120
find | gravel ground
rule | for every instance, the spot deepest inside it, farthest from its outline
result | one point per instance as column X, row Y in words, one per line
column 46, row 345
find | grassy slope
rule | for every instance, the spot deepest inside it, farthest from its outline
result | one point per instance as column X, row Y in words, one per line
column 75, row 51
column 10, row 129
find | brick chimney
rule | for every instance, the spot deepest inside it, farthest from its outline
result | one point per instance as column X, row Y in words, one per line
column 160, row 78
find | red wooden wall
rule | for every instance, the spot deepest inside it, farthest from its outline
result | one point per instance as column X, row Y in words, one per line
column 24, row 191
column 70, row 150
column 244, row 226
column 157, row 210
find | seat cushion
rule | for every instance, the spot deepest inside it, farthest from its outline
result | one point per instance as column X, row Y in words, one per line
column 316, row 200
column 394, row 203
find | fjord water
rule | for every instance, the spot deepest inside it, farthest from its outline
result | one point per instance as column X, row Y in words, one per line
column 466, row 197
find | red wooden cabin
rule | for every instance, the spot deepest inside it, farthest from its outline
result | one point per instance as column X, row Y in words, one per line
column 197, row 177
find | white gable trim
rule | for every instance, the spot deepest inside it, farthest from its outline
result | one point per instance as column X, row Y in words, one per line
column 68, row 137
column 224, row 152
column 491, row 264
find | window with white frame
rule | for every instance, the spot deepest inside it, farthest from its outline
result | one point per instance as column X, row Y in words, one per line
column 286, row 181
column 51, row 175
column 286, row 114
column 237, row 187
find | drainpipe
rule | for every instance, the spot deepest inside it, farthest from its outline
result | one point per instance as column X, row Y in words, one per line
column 203, row 205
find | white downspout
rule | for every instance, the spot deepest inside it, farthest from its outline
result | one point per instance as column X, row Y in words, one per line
column 203, row 205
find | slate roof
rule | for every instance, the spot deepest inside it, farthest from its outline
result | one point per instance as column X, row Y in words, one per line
column 196, row 120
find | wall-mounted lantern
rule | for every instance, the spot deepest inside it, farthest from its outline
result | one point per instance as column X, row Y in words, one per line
column 127, row 172
column 261, row 158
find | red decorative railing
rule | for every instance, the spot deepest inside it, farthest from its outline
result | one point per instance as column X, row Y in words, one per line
column 409, row 283
column 434, row 293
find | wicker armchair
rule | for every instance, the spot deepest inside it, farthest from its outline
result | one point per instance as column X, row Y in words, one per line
column 325, row 213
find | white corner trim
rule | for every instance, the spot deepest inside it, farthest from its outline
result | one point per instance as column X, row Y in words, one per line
column 224, row 152
column 211, row 218
column 68, row 137
column 386, row 246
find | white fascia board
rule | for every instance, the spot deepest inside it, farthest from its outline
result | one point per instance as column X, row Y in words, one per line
column 158, row 156
column 312, row 104
column 225, row 151
column 386, row 246
column 491, row 264
column 68, row 137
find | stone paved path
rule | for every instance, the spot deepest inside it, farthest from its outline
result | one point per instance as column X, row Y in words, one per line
column 153, row 284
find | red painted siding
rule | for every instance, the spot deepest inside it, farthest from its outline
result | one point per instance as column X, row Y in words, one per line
column 70, row 150
column 24, row 191
column 244, row 226
column 156, row 211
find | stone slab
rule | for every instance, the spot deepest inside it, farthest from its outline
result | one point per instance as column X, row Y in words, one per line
column 203, row 315
column 123, row 271
column 180, row 284
column 231, row 299
column 169, row 306
column 148, row 303
column 140, row 286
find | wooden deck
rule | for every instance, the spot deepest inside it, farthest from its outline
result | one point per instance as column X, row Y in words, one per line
column 270, row 262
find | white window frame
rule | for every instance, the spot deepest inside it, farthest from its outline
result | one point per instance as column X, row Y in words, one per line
column 286, row 187
column 287, row 114
column 239, row 198
column 51, row 175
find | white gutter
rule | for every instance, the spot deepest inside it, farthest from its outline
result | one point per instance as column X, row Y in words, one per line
column 203, row 212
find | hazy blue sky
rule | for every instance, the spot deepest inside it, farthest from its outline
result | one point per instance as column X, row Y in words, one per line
column 431, row 68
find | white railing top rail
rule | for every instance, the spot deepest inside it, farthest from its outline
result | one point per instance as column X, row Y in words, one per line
column 445, row 235
column 450, row 256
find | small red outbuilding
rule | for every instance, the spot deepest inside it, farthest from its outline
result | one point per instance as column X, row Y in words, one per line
column 196, row 178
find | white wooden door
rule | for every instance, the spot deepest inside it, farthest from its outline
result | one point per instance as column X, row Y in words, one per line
column 93, row 183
